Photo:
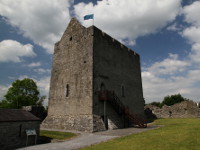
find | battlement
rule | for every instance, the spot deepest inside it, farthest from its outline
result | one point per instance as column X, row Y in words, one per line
column 114, row 41
column 76, row 25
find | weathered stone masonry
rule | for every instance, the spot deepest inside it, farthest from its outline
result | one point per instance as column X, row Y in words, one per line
column 13, row 126
column 85, row 59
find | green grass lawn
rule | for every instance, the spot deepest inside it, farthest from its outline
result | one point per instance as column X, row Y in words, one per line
column 176, row 134
column 57, row 135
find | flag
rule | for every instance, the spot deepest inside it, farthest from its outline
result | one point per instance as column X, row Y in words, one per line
column 87, row 17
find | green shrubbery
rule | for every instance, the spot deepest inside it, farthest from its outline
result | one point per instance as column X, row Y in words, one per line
column 158, row 104
column 170, row 100
column 22, row 93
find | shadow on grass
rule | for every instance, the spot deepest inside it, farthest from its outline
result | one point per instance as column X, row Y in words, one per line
column 44, row 140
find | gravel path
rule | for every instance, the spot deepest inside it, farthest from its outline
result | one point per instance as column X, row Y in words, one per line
column 86, row 139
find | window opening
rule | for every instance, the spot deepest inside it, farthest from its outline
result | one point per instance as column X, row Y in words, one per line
column 102, row 87
column 20, row 130
column 67, row 90
column 123, row 91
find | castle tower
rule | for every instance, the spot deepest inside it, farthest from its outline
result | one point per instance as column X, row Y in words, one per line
column 94, row 80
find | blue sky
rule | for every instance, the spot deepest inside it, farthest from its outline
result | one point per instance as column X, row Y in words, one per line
column 166, row 34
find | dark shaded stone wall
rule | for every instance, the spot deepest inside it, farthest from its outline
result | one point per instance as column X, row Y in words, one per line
column 13, row 135
column 118, row 68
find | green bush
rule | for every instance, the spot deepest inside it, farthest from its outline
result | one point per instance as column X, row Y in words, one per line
column 158, row 104
column 22, row 93
column 173, row 99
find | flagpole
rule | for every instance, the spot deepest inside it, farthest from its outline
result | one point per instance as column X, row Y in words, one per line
column 93, row 11
column 93, row 19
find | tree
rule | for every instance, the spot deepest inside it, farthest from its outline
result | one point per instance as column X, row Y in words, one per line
column 173, row 99
column 158, row 104
column 22, row 93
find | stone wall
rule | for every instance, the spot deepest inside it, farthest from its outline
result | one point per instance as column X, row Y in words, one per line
column 98, row 123
column 185, row 109
column 70, row 98
column 118, row 69
column 13, row 135
column 70, row 122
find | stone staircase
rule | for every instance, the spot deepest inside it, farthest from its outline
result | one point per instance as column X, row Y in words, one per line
column 121, row 109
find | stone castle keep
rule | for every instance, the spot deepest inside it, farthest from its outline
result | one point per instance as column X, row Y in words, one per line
column 95, row 82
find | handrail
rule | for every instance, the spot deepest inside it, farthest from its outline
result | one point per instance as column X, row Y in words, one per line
column 120, row 108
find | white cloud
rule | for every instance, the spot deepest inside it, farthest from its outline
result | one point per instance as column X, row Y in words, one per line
column 129, row 18
column 3, row 90
column 41, row 21
column 173, row 75
column 43, row 85
column 34, row 64
column 169, row 65
column 195, row 53
column 192, row 33
column 41, row 70
column 156, row 87
column 13, row 51
column 191, row 13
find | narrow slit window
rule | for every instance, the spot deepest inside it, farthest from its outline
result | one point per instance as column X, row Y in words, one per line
column 123, row 91
column 102, row 87
column 67, row 90
column 20, row 130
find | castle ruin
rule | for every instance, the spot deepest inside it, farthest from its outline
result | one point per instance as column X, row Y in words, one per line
column 95, row 82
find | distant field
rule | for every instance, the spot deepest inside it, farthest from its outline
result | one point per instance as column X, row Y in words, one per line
column 177, row 134
column 57, row 135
